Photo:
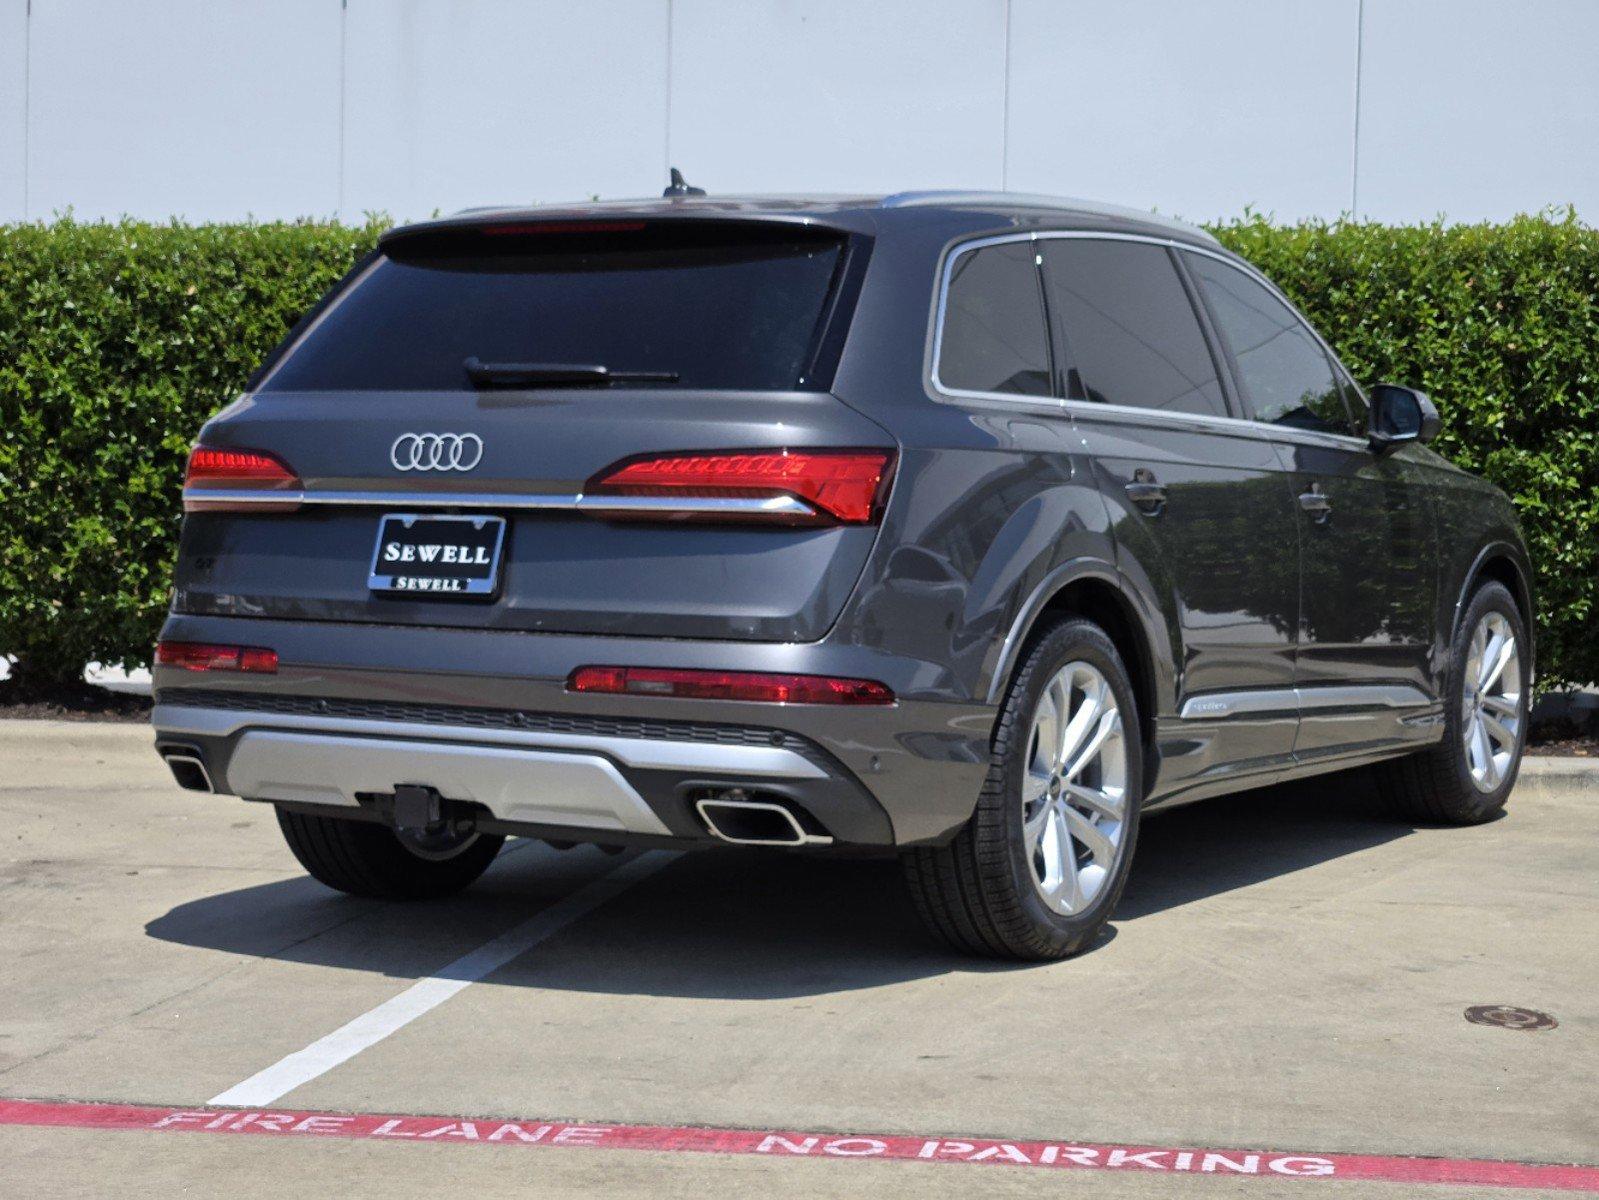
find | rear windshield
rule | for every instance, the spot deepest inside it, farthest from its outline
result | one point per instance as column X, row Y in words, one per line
column 717, row 306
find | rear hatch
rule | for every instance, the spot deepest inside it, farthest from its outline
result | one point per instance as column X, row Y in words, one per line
column 642, row 404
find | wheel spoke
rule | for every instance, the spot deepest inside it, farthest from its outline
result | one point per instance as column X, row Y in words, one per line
column 1056, row 849
column 1507, row 707
column 1046, row 732
column 1499, row 653
column 1498, row 731
column 1091, row 836
column 1035, row 786
column 1069, row 890
column 1108, row 724
column 1482, row 753
column 1033, row 826
column 1104, row 803
column 1077, row 729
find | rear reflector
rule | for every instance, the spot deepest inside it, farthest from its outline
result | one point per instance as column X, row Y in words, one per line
column 838, row 485
column 228, row 480
column 728, row 685
column 205, row 656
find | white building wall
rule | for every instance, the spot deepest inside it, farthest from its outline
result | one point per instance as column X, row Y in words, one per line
column 1479, row 107
column 222, row 109
column 13, row 108
column 212, row 109
column 1156, row 104
column 783, row 95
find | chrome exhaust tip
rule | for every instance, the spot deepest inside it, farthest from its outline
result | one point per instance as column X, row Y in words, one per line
column 187, row 768
column 734, row 818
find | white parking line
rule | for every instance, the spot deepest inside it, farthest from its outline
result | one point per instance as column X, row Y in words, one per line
column 373, row 1026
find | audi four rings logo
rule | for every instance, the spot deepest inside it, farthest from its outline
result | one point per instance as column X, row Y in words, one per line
column 436, row 451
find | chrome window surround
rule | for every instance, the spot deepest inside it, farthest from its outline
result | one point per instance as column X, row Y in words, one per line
column 1087, row 408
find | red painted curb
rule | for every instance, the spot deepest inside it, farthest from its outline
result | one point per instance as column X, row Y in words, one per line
column 789, row 1144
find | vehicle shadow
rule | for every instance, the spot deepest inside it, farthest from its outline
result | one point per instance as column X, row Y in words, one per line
column 1214, row 846
column 741, row 924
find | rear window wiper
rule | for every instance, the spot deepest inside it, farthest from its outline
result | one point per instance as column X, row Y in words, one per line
column 510, row 374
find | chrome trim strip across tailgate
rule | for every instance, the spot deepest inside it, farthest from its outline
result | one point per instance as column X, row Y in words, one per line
column 734, row 506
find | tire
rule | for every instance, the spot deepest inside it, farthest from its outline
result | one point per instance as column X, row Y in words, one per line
column 1439, row 785
column 983, row 892
column 365, row 859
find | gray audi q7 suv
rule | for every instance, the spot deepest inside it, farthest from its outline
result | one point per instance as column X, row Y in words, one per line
column 963, row 527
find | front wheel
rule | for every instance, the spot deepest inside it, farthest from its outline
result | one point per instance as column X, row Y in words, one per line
column 1037, row 870
column 1466, row 778
column 367, row 859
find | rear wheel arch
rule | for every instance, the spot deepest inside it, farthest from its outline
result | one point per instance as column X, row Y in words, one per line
column 1096, row 594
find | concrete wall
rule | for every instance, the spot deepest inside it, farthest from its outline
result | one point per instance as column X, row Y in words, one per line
column 221, row 109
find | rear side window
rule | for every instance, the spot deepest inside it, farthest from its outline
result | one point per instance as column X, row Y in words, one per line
column 994, row 338
column 1283, row 371
column 1131, row 333
column 716, row 305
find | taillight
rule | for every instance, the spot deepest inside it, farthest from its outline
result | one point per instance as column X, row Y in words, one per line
column 728, row 685
column 230, row 480
column 794, row 486
column 207, row 656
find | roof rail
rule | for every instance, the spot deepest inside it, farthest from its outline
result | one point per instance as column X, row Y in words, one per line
column 957, row 198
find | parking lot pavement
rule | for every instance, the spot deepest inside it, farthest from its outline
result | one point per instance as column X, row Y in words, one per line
column 1288, row 971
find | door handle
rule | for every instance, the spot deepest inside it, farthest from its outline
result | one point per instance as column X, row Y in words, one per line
column 1315, row 503
column 1148, row 493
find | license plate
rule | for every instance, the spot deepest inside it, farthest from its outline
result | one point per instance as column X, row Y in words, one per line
column 437, row 556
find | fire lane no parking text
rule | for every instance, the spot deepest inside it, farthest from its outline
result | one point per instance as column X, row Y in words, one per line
column 835, row 1147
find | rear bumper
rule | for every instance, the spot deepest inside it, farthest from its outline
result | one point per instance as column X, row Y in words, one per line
column 594, row 780
column 484, row 719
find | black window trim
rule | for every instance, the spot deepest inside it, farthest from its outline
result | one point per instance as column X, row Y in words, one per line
column 1236, row 425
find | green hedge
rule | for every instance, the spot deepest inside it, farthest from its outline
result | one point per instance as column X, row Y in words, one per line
column 117, row 341
column 1499, row 324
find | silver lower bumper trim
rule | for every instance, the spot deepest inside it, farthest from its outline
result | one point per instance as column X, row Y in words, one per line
column 540, row 786
column 173, row 721
column 536, row 776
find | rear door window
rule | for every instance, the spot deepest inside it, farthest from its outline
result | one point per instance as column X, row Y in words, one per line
column 994, row 338
column 1281, row 368
column 716, row 305
column 1130, row 331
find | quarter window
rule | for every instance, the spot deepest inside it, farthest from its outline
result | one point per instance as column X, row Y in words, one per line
column 994, row 338
column 1283, row 371
column 1131, row 334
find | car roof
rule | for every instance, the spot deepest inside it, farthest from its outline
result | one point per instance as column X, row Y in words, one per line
column 856, row 213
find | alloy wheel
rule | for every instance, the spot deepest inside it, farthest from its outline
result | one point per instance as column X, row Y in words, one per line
column 1074, row 789
column 1491, row 702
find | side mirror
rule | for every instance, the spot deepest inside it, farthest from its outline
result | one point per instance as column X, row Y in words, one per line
column 1400, row 415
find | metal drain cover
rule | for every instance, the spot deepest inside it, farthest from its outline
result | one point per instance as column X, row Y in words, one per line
column 1508, row 1016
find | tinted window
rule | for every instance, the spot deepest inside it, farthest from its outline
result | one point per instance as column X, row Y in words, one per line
column 1282, row 369
column 720, row 307
column 1358, row 413
column 994, row 338
column 1130, row 330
